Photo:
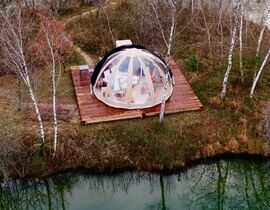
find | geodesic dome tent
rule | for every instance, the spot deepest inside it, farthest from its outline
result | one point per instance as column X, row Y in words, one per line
column 131, row 77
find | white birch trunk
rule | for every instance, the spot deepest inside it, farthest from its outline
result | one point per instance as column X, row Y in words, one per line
column 52, row 67
column 172, row 30
column 241, row 42
column 254, row 84
column 166, row 79
column 264, row 22
column 54, row 111
column 36, row 106
column 260, row 40
column 32, row 95
column 230, row 54
column 53, row 77
column 229, row 67
column 163, row 103
column 259, row 43
column 192, row 7
column 258, row 50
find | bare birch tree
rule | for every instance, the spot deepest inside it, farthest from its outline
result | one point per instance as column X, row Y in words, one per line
column 257, row 74
column 192, row 6
column 230, row 54
column 47, row 31
column 52, row 43
column 264, row 20
column 264, row 23
column 260, row 40
column 254, row 84
column 168, row 42
column 172, row 29
column 241, row 13
column 13, row 39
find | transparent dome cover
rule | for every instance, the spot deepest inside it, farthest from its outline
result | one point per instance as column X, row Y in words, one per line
column 131, row 78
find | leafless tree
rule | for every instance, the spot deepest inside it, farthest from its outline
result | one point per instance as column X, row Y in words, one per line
column 254, row 84
column 13, row 38
column 241, row 14
column 168, row 40
column 264, row 21
column 230, row 54
column 52, row 43
column 48, row 30
column 257, row 73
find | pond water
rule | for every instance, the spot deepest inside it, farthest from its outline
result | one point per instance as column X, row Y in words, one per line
column 223, row 184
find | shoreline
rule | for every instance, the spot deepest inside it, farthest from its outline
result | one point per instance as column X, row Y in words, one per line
column 164, row 170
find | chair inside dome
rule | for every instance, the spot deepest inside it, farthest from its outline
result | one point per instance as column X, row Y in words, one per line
column 131, row 77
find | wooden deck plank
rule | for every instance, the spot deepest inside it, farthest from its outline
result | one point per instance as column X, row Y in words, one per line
column 92, row 110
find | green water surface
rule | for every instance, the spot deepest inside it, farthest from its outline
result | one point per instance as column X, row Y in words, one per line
column 222, row 184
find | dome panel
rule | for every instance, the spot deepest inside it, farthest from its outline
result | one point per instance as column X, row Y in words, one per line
column 131, row 78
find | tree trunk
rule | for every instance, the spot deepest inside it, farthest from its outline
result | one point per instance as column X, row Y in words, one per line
column 260, row 40
column 163, row 103
column 192, row 6
column 173, row 23
column 53, row 78
column 241, row 43
column 166, row 79
column 259, row 74
column 55, row 121
column 265, row 20
column 36, row 106
column 229, row 67
column 52, row 68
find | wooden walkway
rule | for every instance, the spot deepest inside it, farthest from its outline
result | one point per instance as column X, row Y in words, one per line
column 93, row 110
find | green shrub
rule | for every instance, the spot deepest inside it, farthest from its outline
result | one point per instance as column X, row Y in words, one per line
column 76, row 59
column 90, row 47
column 192, row 63
column 250, row 61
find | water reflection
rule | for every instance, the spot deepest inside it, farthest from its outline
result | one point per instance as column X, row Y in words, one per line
column 241, row 184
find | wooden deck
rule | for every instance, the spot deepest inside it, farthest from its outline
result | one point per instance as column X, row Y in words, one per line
column 93, row 111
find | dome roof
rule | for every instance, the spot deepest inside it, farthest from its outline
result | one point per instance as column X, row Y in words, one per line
column 131, row 77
